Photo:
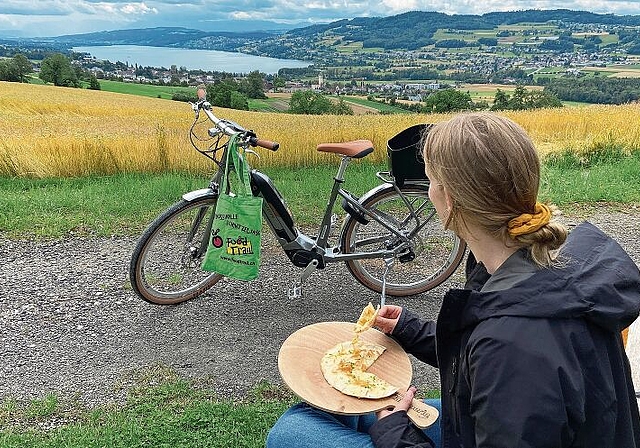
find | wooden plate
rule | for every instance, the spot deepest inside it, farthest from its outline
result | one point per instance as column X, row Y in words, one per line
column 299, row 365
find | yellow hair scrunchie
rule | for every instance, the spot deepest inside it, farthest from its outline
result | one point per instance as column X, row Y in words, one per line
column 529, row 223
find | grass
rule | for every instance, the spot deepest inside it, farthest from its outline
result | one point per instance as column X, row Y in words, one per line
column 153, row 91
column 381, row 107
column 161, row 410
column 606, row 175
column 87, row 205
column 126, row 203
column 268, row 105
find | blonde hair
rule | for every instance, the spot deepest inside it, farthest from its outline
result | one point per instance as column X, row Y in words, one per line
column 491, row 170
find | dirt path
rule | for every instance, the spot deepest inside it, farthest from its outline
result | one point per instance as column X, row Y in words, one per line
column 71, row 324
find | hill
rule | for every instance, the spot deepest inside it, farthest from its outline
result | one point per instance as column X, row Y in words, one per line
column 166, row 37
column 407, row 31
column 416, row 29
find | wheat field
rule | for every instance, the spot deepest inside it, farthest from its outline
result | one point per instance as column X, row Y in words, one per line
column 48, row 131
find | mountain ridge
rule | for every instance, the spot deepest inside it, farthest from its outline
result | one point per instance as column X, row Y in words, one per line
column 430, row 18
column 407, row 31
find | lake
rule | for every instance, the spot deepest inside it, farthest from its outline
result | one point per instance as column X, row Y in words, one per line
column 208, row 60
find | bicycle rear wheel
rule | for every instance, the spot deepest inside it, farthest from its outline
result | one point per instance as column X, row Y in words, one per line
column 433, row 255
column 165, row 265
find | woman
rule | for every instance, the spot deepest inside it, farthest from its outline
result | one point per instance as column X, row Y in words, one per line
column 530, row 352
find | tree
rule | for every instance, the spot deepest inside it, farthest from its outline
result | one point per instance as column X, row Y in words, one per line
column 238, row 101
column 23, row 66
column 500, row 100
column 8, row 71
column 342, row 108
column 93, row 83
column 309, row 102
column 522, row 99
column 518, row 99
column 448, row 100
column 561, row 45
column 539, row 99
column 219, row 93
column 315, row 103
column 253, row 85
column 57, row 70
column 278, row 83
column 488, row 41
column 451, row 43
column 224, row 93
column 15, row 69
column 635, row 49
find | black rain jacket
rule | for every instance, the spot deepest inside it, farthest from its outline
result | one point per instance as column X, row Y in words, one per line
column 539, row 365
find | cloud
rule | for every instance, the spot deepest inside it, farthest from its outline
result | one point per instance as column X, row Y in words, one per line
column 77, row 16
column 33, row 8
column 137, row 8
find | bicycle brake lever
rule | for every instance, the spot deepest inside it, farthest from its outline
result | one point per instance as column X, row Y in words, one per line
column 251, row 151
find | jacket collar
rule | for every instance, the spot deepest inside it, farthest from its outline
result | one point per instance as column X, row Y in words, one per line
column 595, row 280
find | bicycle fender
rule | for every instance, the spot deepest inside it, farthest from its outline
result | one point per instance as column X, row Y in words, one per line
column 198, row 194
column 373, row 192
column 384, row 187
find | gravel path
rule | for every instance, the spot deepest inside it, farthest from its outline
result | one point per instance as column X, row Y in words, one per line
column 69, row 322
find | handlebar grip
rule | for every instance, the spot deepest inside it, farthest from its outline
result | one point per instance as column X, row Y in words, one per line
column 267, row 144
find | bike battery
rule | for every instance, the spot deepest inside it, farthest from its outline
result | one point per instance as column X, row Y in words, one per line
column 261, row 184
column 404, row 152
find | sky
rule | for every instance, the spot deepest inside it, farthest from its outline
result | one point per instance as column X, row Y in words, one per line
column 33, row 18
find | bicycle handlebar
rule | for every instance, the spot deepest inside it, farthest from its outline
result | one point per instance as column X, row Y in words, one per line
column 267, row 144
column 230, row 130
column 220, row 124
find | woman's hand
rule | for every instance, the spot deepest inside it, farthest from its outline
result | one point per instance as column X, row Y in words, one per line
column 403, row 405
column 388, row 318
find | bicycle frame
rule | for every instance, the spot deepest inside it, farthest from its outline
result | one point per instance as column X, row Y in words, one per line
column 320, row 244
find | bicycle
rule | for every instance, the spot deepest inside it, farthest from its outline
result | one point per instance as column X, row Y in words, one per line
column 391, row 241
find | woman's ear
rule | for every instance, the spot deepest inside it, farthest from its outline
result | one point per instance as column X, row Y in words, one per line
column 448, row 200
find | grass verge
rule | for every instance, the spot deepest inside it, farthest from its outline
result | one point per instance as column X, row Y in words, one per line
column 126, row 203
column 161, row 410
column 606, row 175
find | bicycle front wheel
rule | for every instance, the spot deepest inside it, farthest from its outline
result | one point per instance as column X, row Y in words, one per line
column 165, row 265
column 431, row 256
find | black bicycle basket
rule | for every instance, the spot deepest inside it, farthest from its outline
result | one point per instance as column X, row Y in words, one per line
column 404, row 152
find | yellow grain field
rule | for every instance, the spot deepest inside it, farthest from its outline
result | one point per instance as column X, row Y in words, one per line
column 50, row 131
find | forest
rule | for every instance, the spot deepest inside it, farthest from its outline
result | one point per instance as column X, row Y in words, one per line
column 597, row 89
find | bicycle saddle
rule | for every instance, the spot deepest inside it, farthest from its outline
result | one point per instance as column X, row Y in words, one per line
column 356, row 149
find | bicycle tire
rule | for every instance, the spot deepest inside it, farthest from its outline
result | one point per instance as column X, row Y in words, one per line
column 165, row 264
column 438, row 253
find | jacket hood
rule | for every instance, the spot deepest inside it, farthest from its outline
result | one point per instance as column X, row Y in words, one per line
column 596, row 280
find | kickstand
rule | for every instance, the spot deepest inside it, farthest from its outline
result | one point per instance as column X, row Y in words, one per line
column 295, row 292
column 388, row 264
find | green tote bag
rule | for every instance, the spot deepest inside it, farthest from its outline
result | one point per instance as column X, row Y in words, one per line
column 234, row 247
